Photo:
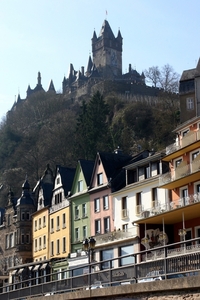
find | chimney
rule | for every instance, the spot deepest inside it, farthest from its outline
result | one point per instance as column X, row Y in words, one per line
column 129, row 69
column 82, row 71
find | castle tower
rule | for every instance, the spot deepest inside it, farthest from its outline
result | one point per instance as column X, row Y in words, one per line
column 107, row 52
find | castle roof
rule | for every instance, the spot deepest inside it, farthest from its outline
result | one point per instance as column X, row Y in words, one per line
column 106, row 31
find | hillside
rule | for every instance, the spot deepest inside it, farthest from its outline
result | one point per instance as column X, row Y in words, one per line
column 46, row 129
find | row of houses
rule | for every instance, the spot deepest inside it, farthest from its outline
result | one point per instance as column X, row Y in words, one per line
column 127, row 203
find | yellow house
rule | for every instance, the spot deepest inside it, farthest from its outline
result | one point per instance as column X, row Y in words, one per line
column 40, row 221
column 59, row 219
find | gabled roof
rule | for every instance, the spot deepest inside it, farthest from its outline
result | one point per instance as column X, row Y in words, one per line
column 112, row 164
column 188, row 74
column 67, row 177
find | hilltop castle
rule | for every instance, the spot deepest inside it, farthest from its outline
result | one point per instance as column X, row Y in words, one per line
column 104, row 69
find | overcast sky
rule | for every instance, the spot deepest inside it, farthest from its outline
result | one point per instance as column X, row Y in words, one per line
column 48, row 35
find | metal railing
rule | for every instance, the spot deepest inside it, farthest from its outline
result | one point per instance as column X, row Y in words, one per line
column 125, row 269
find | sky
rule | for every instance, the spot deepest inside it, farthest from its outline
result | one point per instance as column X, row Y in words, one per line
column 47, row 35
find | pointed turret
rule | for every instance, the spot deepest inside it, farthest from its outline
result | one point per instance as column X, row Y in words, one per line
column 89, row 66
column 51, row 87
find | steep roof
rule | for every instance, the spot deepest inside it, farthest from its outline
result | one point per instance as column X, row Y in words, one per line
column 67, row 177
column 26, row 197
column 87, row 168
column 106, row 31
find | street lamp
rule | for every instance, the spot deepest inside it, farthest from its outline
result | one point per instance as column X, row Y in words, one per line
column 88, row 247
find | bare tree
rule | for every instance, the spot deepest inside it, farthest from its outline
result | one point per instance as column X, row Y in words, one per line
column 165, row 78
column 153, row 75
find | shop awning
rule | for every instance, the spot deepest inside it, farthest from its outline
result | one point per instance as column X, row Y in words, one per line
column 43, row 267
column 14, row 272
column 20, row 271
column 36, row 268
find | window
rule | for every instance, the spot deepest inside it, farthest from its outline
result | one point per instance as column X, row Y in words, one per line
column 80, row 185
column 27, row 238
column 58, row 223
column 147, row 172
column 84, row 232
column 97, row 226
column 138, row 203
column 195, row 154
column 9, row 220
column 58, row 198
column 106, row 224
column 154, row 197
column 197, row 234
column 99, row 178
column 155, row 169
column 185, row 132
column 58, row 246
column 177, row 162
column 64, row 244
column 76, row 212
column 12, row 240
column 77, row 237
column 52, row 248
column 125, row 227
column 40, row 243
column 58, row 180
column 52, row 225
column 44, row 221
column 7, row 241
column 105, row 202
column 125, row 250
column 124, row 207
column 23, row 216
column 27, row 216
column 35, row 245
column 84, row 210
column 35, row 225
column 22, row 238
column 97, row 205
column 44, row 241
column 190, row 103
column 107, row 255
column 64, row 221
column 40, row 223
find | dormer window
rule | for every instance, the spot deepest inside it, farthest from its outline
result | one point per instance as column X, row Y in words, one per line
column 99, row 178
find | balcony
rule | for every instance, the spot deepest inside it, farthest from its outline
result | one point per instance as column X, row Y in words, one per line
column 179, row 176
column 116, row 236
column 187, row 140
column 171, row 206
column 124, row 214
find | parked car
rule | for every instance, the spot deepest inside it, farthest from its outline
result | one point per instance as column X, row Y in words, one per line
column 152, row 276
column 96, row 285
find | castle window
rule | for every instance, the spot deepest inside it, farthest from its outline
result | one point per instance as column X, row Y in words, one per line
column 190, row 103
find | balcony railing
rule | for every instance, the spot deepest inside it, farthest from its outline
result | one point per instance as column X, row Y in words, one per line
column 161, row 208
column 124, row 213
column 188, row 139
column 115, row 235
column 180, row 172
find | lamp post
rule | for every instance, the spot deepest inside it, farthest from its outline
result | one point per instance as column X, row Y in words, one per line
column 88, row 247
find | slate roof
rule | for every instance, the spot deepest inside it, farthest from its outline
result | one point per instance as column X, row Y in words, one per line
column 87, row 167
column 26, row 197
column 106, row 31
column 67, row 177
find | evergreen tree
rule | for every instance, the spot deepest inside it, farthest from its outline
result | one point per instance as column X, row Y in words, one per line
column 92, row 128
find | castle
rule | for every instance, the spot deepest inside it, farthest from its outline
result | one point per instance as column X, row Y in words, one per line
column 104, row 69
